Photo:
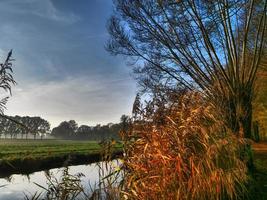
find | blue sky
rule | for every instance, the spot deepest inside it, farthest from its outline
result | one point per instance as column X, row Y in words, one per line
column 61, row 66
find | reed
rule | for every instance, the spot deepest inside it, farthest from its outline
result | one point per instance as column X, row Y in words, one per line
column 182, row 150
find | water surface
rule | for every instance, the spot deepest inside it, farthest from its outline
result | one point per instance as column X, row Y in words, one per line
column 16, row 186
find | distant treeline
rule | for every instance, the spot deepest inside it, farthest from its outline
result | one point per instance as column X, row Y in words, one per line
column 71, row 130
column 30, row 127
column 12, row 126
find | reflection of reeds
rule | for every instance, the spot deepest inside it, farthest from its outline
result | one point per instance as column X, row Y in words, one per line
column 67, row 187
column 110, row 174
column 183, row 151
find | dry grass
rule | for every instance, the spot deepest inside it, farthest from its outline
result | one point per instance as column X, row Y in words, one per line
column 260, row 147
column 180, row 150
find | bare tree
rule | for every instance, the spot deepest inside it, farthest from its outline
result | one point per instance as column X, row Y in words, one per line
column 210, row 46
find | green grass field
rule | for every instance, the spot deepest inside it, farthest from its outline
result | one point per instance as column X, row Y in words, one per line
column 30, row 155
column 10, row 149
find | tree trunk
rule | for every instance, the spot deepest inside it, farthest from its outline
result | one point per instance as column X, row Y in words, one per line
column 247, row 125
column 256, row 135
column 237, row 113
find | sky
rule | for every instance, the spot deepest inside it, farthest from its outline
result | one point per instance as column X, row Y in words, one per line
column 61, row 67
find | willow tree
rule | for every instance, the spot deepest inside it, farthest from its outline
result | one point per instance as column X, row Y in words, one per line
column 211, row 46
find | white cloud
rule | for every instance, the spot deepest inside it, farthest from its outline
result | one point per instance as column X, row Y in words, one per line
column 86, row 100
column 41, row 8
column 47, row 10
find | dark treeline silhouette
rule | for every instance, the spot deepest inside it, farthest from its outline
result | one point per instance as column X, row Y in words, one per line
column 25, row 127
column 12, row 126
column 71, row 130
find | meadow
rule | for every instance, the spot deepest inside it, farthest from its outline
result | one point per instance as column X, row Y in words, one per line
column 25, row 156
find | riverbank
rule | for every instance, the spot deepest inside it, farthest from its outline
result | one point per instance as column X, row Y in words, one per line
column 27, row 156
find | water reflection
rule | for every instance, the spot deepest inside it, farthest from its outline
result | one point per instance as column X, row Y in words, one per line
column 16, row 186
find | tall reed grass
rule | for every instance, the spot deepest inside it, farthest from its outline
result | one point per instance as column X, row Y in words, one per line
column 182, row 150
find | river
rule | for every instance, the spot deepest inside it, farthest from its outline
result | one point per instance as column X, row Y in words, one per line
column 16, row 186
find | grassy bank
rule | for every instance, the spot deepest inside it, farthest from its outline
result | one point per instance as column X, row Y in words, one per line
column 258, row 184
column 25, row 156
